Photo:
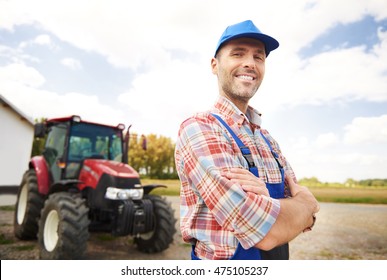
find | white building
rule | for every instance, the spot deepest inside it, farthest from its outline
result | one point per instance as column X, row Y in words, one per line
column 17, row 134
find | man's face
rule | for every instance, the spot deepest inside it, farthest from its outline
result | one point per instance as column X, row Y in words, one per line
column 240, row 67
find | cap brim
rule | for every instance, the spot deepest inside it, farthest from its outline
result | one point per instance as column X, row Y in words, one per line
column 269, row 42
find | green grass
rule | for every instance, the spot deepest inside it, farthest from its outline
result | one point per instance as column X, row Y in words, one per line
column 7, row 208
column 4, row 240
column 350, row 195
column 106, row 237
column 173, row 186
column 25, row 247
column 323, row 194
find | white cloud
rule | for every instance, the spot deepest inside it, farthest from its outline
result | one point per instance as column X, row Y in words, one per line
column 20, row 74
column 367, row 130
column 169, row 94
column 50, row 104
column 358, row 151
column 21, row 85
column 341, row 74
column 335, row 163
column 71, row 63
column 326, row 140
column 341, row 166
column 43, row 39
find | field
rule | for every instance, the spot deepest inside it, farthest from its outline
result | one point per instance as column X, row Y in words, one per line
column 351, row 224
column 323, row 194
column 351, row 195
column 343, row 231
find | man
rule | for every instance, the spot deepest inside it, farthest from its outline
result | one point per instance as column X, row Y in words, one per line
column 232, row 171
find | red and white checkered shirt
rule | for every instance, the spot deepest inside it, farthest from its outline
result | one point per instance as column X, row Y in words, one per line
column 215, row 213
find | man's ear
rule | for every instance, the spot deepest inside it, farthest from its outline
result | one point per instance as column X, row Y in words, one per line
column 214, row 66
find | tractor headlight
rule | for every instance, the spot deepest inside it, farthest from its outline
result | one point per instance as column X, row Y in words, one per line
column 124, row 194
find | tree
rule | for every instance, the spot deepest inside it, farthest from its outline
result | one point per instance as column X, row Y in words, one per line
column 157, row 161
column 136, row 154
column 311, row 182
column 350, row 183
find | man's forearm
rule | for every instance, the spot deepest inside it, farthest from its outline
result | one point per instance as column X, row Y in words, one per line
column 296, row 214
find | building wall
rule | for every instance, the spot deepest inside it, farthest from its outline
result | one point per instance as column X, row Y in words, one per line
column 15, row 146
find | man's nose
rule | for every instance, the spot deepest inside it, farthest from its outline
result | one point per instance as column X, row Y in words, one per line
column 249, row 62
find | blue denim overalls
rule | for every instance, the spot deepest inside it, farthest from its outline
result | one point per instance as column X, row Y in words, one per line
column 275, row 190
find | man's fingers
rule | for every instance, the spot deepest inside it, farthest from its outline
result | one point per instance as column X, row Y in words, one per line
column 301, row 190
column 293, row 186
column 238, row 173
column 256, row 190
column 289, row 179
column 248, row 181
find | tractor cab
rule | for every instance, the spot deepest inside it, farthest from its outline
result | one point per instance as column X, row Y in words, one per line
column 70, row 141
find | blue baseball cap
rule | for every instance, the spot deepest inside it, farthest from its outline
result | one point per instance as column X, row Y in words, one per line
column 247, row 29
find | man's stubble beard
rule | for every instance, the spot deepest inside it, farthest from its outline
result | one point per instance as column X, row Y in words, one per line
column 236, row 93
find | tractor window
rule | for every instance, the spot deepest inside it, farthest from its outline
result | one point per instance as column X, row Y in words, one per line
column 54, row 148
column 102, row 146
column 79, row 148
column 56, row 139
column 94, row 141
column 116, row 149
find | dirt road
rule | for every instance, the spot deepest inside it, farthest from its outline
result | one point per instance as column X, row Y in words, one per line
column 342, row 231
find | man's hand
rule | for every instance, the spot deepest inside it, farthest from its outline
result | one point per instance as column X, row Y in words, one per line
column 248, row 181
column 296, row 215
column 302, row 193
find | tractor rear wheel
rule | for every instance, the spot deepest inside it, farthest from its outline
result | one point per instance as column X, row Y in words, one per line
column 63, row 227
column 28, row 206
column 161, row 236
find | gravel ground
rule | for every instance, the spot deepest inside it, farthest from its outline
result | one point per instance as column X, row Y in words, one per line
column 342, row 231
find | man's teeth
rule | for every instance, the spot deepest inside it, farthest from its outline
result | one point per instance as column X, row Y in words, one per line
column 246, row 77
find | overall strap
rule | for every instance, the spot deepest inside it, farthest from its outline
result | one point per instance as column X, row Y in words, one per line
column 275, row 155
column 244, row 149
column 275, row 191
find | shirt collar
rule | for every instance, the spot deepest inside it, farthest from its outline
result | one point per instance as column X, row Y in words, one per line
column 228, row 109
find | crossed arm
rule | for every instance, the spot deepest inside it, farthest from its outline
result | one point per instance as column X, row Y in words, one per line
column 296, row 213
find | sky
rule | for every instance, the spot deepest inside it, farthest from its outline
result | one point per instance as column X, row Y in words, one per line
column 147, row 63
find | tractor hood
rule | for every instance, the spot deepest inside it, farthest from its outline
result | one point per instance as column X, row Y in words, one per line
column 97, row 167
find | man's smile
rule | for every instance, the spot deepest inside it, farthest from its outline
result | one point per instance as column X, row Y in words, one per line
column 244, row 77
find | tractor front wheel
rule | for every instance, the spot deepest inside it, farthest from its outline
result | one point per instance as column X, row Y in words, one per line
column 28, row 206
column 161, row 236
column 63, row 227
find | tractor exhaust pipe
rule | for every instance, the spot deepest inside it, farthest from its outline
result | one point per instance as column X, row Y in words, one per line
column 126, row 145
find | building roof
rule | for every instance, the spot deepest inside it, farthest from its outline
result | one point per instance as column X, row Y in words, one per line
column 7, row 104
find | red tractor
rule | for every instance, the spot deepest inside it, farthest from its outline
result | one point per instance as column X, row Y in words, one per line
column 82, row 183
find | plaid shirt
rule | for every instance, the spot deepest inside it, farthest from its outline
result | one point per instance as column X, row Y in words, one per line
column 216, row 214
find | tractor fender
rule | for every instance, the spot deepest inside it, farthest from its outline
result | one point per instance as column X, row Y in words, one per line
column 38, row 163
column 149, row 188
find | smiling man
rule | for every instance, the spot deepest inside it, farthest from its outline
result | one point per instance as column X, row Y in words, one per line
column 239, row 196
